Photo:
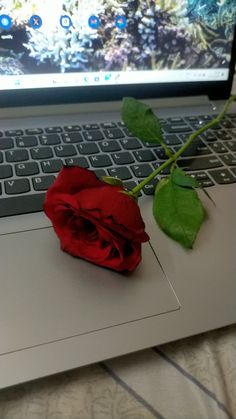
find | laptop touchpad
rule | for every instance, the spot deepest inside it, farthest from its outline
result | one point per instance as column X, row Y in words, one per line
column 47, row 295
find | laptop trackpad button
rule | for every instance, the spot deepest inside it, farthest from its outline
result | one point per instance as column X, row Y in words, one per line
column 47, row 295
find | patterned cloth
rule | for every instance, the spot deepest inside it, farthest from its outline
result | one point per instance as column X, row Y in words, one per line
column 194, row 378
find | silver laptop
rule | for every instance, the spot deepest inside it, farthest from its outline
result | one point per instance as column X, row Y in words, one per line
column 64, row 69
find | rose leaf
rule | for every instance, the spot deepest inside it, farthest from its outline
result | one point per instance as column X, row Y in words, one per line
column 179, row 177
column 178, row 211
column 141, row 121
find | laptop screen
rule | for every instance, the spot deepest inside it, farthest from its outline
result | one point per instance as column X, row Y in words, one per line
column 66, row 43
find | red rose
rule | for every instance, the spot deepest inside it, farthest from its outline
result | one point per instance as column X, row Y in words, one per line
column 94, row 220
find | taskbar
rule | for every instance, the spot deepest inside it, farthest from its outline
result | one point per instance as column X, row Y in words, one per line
column 32, row 81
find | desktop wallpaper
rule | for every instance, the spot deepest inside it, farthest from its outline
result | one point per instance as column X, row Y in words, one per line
column 41, row 36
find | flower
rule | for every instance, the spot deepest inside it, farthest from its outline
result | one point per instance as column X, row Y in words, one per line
column 94, row 220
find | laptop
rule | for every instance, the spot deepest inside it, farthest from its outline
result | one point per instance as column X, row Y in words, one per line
column 63, row 72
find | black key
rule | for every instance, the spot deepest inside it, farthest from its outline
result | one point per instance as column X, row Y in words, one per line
column 1, row 157
column 176, row 120
column 149, row 189
column 90, row 126
column 142, row 170
column 53, row 130
column 27, row 141
column 42, row 183
column 50, row 139
column 200, row 163
column 130, row 144
column 131, row 185
column 41, row 153
column 127, row 132
column 34, row 131
column 65, row 150
column 100, row 173
column 229, row 159
column 222, row 176
column 73, row 137
column 176, row 128
column 72, row 128
column 218, row 147
column 124, row 157
column 226, row 124
column 233, row 169
column 16, row 186
column 14, row 132
column 0, row 189
column 210, row 137
column 231, row 145
column 95, row 135
column 166, row 171
column 17, row 155
column 196, row 148
column 191, row 118
column 108, row 125
column 172, row 139
column 200, row 175
column 5, row 171
column 224, row 135
column 203, row 179
column 77, row 161
column 1, row 133
column 109, row 146
column 161, row 154
column 51, row 166
column 87, row 148
column 6, row 143
column 21, row 204
column 26, row 169
column 113, row 133
column 122, row 173
column 144, row 155
column 102, row 160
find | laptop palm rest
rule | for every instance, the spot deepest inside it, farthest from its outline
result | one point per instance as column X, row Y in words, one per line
column 53, row 296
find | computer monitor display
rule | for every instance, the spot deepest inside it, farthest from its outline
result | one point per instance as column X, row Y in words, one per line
column 104, row 42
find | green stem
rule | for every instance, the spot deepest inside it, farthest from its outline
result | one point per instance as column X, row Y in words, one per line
column 173, row 158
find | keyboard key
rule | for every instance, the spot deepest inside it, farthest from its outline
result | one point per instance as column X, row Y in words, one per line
column 172, row 139
column 149, row 189
column 144, row 155
column 113, row 133
column 130, row 144
column 122, row 173
column 109, row 146
column 218, row 147
column 200, row 163
column 34, row 131
column 41, row 153
column 102, row 160
column 124, row 157
column 229, row 159
column 1, row 157
column 5, row 171
column 176, row 120
column 175, row 128
column 21, row 204
column 26, row 169
column 95, row 135
column 226, row 124
column 108, row 125
column 51, row 166
column 6, row 143
column 233, row 169
column 50, row 139
column 130, row 185
column 87, row 148
column 142, row 170
column 90, row 126
column 27, row 141
column 14, row 132
column 231, row 145
column 72, row 128
column 100, row 173
column 16, row 186
column 42, row 183
column 127, row 132
column 53, row 130
column 77, row 161
column 197, row 148
column 73, row 137
column 65, row 150
column 222, row 176
column 17, row 155
column 203, row 179
column 161, row 154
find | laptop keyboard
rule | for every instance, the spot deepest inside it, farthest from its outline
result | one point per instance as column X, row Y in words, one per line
column 31, row 158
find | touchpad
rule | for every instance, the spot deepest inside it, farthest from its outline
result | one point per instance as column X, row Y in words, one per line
column 47, row 295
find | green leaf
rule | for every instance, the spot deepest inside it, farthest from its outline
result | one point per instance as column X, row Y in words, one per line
column 112, row 180
column 179, row 177
column 141, row 121
column 178, row 211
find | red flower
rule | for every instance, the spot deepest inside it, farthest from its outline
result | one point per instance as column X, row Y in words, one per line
column 94, row 220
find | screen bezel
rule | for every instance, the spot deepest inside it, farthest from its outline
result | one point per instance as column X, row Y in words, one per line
column 65, row 95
